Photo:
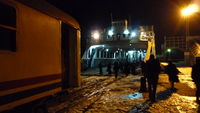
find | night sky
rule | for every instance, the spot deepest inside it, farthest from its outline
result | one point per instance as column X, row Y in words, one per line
column 163, row 14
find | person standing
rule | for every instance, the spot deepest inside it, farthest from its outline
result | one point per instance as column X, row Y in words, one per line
column 116, row 69
column 127, row 68
column 153, row 70
column 109, row 68
column 143, row 68
column 100, row 68
column 133, row 68
column 172, row 72
column 196, row 78
column 143, row 86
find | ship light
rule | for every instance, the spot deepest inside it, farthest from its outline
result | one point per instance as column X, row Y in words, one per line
column 110, row 32
column 96, row 35
column 133, row 34
column 126, row 32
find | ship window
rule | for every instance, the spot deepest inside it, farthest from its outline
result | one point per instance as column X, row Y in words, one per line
column 104, row 54
column 101, row 54
column 7, row 28
column 97, row 53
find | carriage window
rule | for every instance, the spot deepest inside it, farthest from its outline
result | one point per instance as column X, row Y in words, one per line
column 7, row 28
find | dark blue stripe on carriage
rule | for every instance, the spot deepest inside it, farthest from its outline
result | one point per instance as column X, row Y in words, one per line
column 27, row 81
column 27, row 93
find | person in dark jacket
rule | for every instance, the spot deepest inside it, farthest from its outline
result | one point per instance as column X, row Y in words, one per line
column 153, row 70
column 143, row 86
column 196, row 78
column 127, row 68
column 100, row 68
column 133, row 68
column 172, row 72
column 116, row 69
column 109, row 68
column 143, row 68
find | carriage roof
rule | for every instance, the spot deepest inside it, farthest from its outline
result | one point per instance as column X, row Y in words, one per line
column 47, row 8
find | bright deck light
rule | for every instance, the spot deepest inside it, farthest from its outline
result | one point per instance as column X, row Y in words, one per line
column 96, row 35
column 126, row 31
column 133, row 34
column 110, row 32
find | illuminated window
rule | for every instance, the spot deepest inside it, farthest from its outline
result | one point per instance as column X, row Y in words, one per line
column 7, row 28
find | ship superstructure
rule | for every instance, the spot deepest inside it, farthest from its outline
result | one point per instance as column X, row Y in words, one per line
column 121, row 42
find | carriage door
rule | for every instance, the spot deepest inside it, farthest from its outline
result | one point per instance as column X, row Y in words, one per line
column 70, row 56
column 65, row 29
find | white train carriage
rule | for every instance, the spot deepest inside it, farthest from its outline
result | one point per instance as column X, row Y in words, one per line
column 39, row 51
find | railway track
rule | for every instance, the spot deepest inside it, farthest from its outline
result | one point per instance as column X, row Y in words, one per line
column 90, row 92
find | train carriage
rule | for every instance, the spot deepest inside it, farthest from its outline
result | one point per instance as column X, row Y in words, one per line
column 39, row 51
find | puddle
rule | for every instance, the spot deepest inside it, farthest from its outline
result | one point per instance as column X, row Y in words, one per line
column 136, row 95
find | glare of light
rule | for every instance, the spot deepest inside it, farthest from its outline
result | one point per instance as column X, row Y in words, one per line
column 190, row 10
column 133, row 34
column 96, row 35
column 110, row 32
column 130, row 44
column 169, row 50
column 107, row 50
column 96, row 46
column 126, row 32
column 164, row 63
column 190, row 98
column 130, row 52
column 143, row 34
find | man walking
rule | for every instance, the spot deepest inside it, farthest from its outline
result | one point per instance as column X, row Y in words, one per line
column 153, row 70
column 196, row 78
column 172, row 72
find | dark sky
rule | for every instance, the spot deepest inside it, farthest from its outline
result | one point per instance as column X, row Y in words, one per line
column 163, row 14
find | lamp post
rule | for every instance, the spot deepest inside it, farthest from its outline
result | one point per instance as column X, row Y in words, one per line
column 187, row 12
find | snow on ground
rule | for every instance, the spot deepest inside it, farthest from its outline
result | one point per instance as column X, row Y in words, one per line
column 122, row 96
column 181, row 101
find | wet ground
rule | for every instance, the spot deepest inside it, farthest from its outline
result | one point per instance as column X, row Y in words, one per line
column 105, row 94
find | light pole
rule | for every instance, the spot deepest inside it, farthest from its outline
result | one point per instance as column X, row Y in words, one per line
column 187, row 12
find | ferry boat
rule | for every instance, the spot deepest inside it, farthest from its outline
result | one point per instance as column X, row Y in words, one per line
column 120, row 42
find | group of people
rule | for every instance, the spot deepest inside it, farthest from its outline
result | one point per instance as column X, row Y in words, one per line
column 151, row 70
column 119, row 66
column 124, row 67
